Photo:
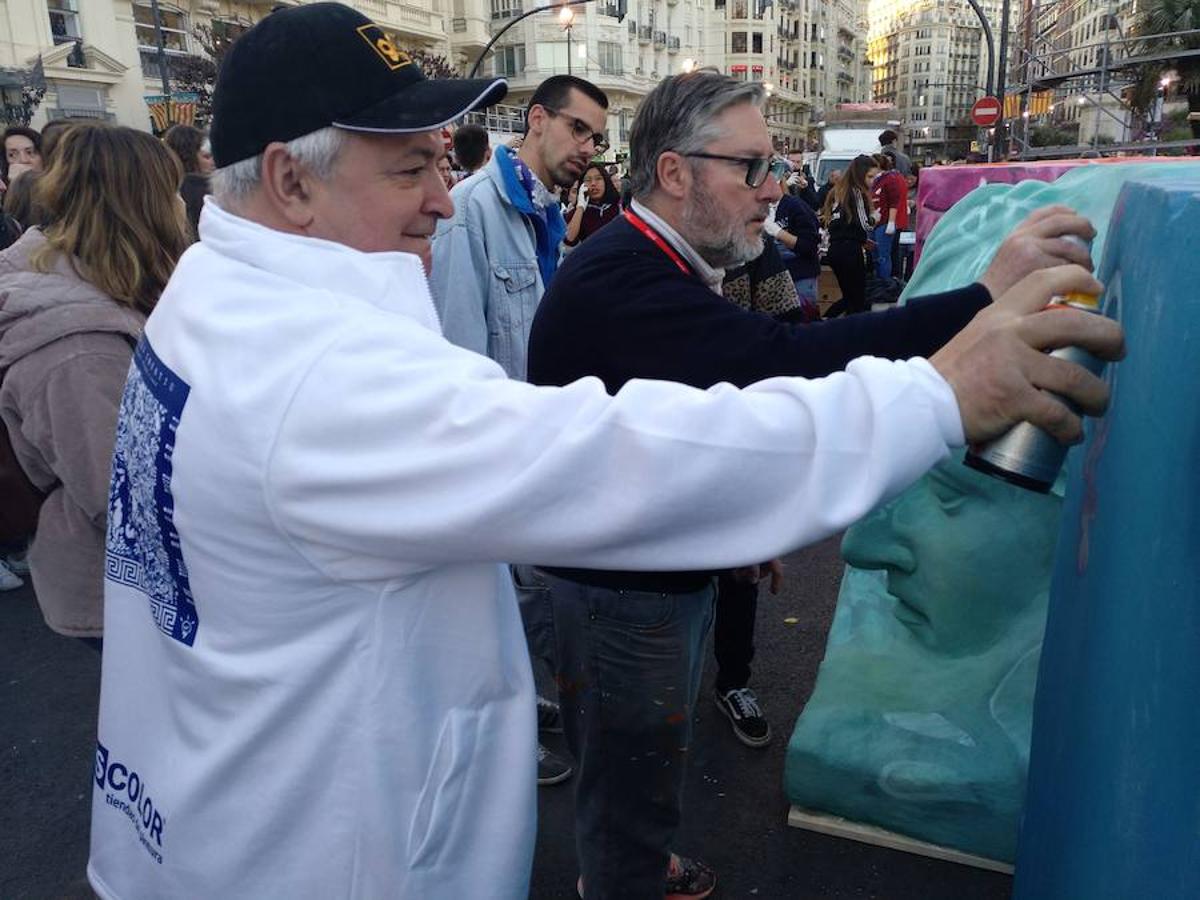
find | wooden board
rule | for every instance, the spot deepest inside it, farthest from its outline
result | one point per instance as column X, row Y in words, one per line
column 824, row 823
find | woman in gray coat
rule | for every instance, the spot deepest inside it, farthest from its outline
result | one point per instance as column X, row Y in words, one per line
column 73, row 298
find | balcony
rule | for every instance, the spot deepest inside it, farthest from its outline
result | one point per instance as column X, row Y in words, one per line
column 79, row 112
column 415, row 22
column 672, row 45
column 501, row 119
column 469, row 35
column 845, row 54
column 609, row 9
column 633, row 30
column 645, row 34
column 660, row 39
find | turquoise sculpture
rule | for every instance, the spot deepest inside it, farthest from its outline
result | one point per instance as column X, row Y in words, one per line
column 921, row 716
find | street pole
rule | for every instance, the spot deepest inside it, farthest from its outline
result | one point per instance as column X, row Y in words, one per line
column 991, row 54
column 568, row 49
column 499, row 34
column 1001, row 140
column 162, row 58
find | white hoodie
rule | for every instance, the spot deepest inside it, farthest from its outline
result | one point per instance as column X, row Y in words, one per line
column 315, row 680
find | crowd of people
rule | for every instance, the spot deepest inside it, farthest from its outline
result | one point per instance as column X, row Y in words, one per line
column 330, row 440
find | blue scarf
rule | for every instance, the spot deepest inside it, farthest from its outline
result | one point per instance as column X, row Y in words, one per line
column 549, row 228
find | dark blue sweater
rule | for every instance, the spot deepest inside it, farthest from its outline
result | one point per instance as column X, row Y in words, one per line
column 619, row 308
column 798, row 219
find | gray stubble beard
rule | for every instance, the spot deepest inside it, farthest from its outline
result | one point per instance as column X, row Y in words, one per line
column 719, row 243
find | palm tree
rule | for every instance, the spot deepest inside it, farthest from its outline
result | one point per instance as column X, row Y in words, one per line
column 1165, row 17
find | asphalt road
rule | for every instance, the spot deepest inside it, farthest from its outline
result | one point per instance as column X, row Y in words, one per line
column 735, row 817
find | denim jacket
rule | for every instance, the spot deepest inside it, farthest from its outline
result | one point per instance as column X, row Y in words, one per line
column 486, row 279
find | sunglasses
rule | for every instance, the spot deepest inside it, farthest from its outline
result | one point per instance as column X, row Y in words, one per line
column 757, row 167
column 582, row 131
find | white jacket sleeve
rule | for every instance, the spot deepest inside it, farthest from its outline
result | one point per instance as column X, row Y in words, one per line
column 459, row 284
column 399, row 452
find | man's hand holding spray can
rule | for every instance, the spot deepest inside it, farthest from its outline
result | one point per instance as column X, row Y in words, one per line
column 1026, row 455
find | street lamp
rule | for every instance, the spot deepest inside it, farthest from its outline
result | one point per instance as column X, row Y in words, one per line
column 688, row 65
column 566, row 18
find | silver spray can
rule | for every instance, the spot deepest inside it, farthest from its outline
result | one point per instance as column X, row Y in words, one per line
column 1027, row 456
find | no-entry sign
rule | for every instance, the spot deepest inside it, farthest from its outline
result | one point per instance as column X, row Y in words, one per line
column 986, row 112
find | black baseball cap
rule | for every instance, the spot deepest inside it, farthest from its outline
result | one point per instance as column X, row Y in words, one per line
column 308, row 67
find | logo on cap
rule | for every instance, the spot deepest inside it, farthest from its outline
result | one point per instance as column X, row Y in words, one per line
column 381, row 43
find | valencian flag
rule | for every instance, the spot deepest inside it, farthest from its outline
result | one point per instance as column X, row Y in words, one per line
column 178, row 109
column 1039, row 104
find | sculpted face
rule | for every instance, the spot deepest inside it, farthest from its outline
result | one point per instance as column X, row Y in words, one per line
column 385, row 194
column 947, row 546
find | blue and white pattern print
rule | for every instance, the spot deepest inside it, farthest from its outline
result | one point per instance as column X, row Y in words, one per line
column 142, row 547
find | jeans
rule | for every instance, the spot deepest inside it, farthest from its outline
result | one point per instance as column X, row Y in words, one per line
column 733, row 635
column 883, row 251
column 629, row 676
column 533, row 599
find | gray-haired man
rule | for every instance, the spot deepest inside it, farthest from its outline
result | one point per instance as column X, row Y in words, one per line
column 641, row 299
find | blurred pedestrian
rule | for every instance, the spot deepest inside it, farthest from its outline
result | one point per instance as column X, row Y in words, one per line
column 187, row 143
column 471, row 148
column 22, row 152
column 447, row 172
column 797, row 229
column 889, row 194
column 889, row 145
column 593, row 203
column 75, row 296
column 847, row 216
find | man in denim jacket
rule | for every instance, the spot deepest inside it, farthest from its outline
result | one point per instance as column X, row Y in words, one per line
column 491, row 263
column 493, row 259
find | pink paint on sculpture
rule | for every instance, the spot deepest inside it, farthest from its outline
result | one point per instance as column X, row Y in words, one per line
column 941, row 187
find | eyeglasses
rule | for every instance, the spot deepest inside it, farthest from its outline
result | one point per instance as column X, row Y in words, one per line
column 582, row 131
column 757, row 167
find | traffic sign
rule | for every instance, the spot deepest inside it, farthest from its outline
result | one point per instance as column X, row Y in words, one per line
column 986, row 112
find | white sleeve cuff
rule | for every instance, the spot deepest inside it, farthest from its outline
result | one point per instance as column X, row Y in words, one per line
column 941, row 396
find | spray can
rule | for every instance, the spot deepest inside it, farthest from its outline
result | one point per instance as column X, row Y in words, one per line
column 1027, row 456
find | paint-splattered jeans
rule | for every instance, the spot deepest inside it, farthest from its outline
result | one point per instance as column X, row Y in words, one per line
column 629, row 667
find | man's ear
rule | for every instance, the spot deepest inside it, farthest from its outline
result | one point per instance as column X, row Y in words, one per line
column 537, row 119
column 287, row 186
column 674, row 175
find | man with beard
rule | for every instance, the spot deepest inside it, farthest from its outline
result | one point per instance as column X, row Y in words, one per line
column 492, row 261
column 642, row 299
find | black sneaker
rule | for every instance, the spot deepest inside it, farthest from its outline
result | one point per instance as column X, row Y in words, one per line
column 552, row 768
column 687, row 879
column 741, row 708
column 549, row 716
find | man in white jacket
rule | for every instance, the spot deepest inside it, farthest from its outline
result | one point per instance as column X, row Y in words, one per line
column 315, row 682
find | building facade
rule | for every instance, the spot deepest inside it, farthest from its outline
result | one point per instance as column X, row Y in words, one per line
column 1071, row 45
column 100, row 57
column 929, row 59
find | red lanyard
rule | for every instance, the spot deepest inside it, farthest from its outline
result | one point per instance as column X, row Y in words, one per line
column 636, row 221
